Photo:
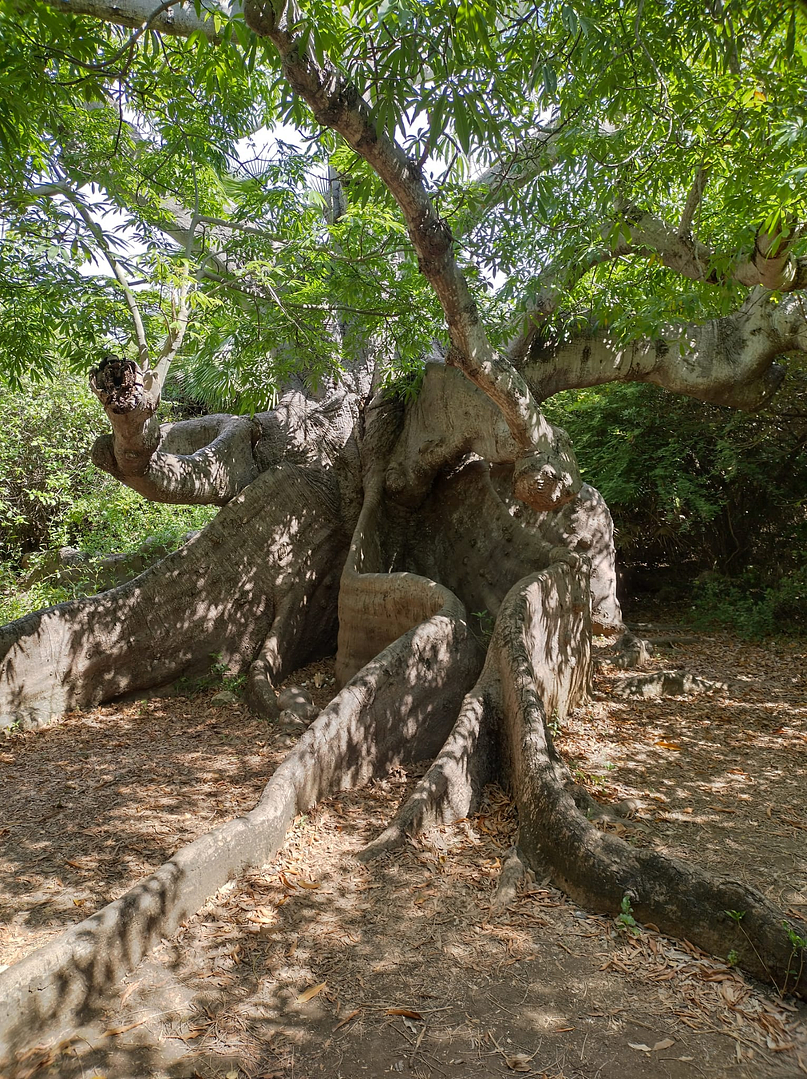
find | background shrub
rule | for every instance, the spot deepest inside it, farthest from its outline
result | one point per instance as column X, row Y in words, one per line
column 717, row 495
column 52, row 496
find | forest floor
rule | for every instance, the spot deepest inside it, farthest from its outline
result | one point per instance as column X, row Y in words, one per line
column 318, row 965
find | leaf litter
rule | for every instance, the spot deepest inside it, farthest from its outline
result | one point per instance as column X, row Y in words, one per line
column 539, row 987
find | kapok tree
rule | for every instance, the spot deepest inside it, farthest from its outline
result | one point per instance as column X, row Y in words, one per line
column 543, row 197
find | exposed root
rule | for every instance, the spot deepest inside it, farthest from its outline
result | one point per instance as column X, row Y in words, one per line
column 513, row 872
column 667, row 684
column 631, row 651
column 284, row 538
column 537, row 665
column 288, row 644
column 361, row 734
column 399, row 706
column 469, row 758
column 375, row 605
column 598, row 869
column 453, row 783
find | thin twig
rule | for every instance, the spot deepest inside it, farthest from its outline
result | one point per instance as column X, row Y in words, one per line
column 120, row 276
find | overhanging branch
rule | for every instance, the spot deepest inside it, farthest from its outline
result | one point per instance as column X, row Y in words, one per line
column 726, row 361
column 336, row 104
column 176, row 18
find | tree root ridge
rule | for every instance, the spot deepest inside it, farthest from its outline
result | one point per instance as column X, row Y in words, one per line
column 471, row 755
column 174, row 617
column 538, row 666
column 451, row 787
column 598, row 869
column 358, row 736
column 675, row 683
column 377, row 607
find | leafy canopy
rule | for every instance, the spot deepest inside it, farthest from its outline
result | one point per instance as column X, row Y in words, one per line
column 137, row 146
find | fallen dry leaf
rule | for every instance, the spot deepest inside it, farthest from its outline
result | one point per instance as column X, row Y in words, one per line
column 263, row 915
column 407, row 1012
column 309, row 994
column 779, row 1048
column 348, row 1018
column 115, row 1031
column 518, row 1063
column 664, row 1044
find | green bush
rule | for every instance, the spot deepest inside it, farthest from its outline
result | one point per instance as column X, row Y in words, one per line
column 693, row 483
column 708, row 492
column 46, row 431
column 751, row 608
column 52, row 496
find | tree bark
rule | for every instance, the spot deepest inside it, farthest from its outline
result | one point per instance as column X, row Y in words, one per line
column 727, row 361
column 405, row 520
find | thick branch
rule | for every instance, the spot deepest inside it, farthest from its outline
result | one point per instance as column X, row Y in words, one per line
column 198, row 462
column 727, row 361
column 555, row 281
column 176, row 18
column 771, row 265
column 693, row 201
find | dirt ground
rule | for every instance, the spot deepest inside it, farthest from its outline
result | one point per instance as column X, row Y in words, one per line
column 318, row 965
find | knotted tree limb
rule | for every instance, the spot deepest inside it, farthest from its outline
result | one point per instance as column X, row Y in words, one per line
column 643, row 235
column 727, row 361
column 450, row 419
column 199, row 462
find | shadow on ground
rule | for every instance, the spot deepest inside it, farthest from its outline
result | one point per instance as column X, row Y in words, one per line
column 318, row 965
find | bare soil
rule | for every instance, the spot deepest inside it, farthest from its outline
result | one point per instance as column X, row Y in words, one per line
column 318, row 965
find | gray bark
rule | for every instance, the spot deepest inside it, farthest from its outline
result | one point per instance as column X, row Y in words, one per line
column 175, row 17
column 728, row 361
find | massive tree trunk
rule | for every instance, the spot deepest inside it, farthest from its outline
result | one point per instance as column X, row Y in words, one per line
column 400, row 524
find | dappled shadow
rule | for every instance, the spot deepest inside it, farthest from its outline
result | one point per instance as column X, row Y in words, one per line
column 215, row 597
column 211, row 602
column 718, row 779
column 101, row 800
column 605, row 871
column 410, row 932
column 398, row 705
column 413, row 933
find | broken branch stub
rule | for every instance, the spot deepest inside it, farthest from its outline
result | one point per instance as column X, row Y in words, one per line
column 130, row 398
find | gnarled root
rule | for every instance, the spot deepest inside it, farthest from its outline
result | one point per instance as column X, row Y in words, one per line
column 397, row 708
column 537, row 667
column 598, row 869
column 199, row 602
column 471, row 756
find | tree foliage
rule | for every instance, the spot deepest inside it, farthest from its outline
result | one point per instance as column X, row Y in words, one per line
column 585, row 113
column 695, row 484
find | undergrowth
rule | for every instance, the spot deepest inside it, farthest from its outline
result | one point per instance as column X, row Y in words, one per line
column 52, row 496
column 752, row 607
